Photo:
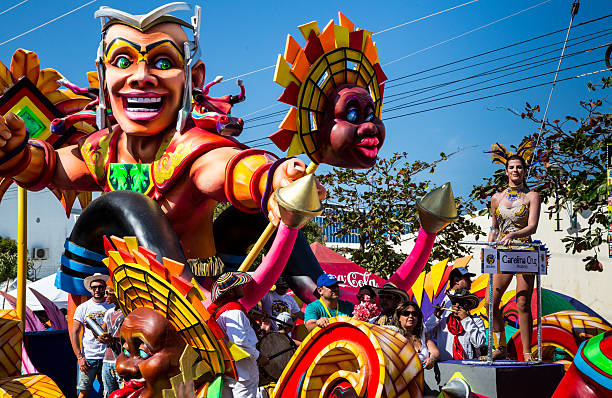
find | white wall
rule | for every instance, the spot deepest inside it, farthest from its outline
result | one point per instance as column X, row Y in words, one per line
column 48, row 225
column 566, row 273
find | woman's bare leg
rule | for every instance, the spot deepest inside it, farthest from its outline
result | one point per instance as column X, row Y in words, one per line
column 500, row 284
column 524, row 291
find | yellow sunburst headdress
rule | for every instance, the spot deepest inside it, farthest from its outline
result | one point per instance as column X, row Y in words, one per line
column 140, row 280
column 500, row 155
column 337, row 55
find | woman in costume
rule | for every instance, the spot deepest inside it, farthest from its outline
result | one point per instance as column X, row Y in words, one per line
column 409, row 318
column 515, row 214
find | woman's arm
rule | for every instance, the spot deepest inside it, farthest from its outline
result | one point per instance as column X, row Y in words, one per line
column 494, row 232
column 434, row 354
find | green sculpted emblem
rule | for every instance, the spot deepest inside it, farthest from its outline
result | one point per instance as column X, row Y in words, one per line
column 130, row 177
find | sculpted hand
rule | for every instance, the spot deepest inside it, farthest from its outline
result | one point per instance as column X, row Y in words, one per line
column 285, row 174
column 12, row 134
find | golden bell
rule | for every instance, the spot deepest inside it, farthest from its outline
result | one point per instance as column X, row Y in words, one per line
column 299, row 201
column 437, row 209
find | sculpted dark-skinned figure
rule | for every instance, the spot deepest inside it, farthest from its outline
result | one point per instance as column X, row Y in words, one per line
column 151, row 349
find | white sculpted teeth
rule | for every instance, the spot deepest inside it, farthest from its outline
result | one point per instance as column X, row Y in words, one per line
column 135, row 100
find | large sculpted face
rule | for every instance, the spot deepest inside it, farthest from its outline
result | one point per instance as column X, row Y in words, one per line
column 151, row 349
column 351, row 135
column 145, row 76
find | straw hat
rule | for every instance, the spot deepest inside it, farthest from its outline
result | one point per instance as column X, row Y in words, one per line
column 465, row 298
column 92, row 278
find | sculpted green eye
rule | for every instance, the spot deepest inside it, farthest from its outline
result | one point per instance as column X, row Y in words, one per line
column 123, row 62
column 163, row 64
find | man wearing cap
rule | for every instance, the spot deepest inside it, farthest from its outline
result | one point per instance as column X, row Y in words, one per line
column 390, row 297
column 231, row 316
column 278, row 301
column 328, row 305
column 90, row 352
column 459, row 278
column 458, row 334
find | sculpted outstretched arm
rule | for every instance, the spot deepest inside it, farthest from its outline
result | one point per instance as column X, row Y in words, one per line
column 270, row 269
column 409, row 271
column 34, row 164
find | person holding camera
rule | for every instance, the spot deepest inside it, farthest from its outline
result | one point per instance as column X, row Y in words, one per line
column 458, row 334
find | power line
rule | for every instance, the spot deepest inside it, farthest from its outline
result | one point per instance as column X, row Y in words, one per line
column 412, row 93
column 46, row 23
column 422, row 18
column 403, row 106
column 466, row 33
column 493, row 95
column 497, row 49
column 609, row 31
column 377, row 33
column 573, row 13
column 15, row 6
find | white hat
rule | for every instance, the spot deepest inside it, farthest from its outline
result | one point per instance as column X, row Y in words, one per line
column 285, row 320
column 92, row 278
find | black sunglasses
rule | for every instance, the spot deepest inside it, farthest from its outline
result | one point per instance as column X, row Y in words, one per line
column 408, row 313
column 98, row 287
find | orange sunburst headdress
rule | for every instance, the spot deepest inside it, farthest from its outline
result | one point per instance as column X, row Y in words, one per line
column 337, row 55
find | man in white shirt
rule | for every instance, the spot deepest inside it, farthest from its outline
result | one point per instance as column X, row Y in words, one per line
column 278, row 301
column 458, row 278
column 458, row 334
column 89, row 351
column 232, row 318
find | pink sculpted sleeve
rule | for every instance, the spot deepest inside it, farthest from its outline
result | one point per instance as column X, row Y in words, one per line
column 271, row 267
column 409, row 271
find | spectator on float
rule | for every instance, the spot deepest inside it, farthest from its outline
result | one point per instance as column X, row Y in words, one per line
column 390, row 297
column 458, row 334
column 409, row 317
column 231, row 316
column 113, row 319
column 260, row 322
column 459, row 278
column 367, row 290
column 285, row 326
column 328, row 305
column 277, row 301
column 88, row 350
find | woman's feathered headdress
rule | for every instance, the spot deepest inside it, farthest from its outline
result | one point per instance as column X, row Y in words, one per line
column 500, row 155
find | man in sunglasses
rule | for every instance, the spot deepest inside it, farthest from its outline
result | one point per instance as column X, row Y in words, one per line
column 89, row 351
column 390, row 297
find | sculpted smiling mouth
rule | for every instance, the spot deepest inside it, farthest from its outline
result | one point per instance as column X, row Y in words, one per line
column 142, row 103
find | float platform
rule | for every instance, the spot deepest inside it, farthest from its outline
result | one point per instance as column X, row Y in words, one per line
column 501, row 379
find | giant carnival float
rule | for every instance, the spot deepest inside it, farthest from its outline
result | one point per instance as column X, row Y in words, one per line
column 150, row 136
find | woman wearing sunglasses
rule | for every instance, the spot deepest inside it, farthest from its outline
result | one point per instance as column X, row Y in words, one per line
column 409, row 318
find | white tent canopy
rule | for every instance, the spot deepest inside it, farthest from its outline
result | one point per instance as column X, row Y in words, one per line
column 45, row 286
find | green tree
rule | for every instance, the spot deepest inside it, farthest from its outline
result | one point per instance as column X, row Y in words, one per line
column 571, row 172
column 378, row 206
column 8, row 259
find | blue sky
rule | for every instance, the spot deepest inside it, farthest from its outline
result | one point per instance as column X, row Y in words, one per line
column 239, row 37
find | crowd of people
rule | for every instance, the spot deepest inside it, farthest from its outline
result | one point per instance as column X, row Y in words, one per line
column 451, row 332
